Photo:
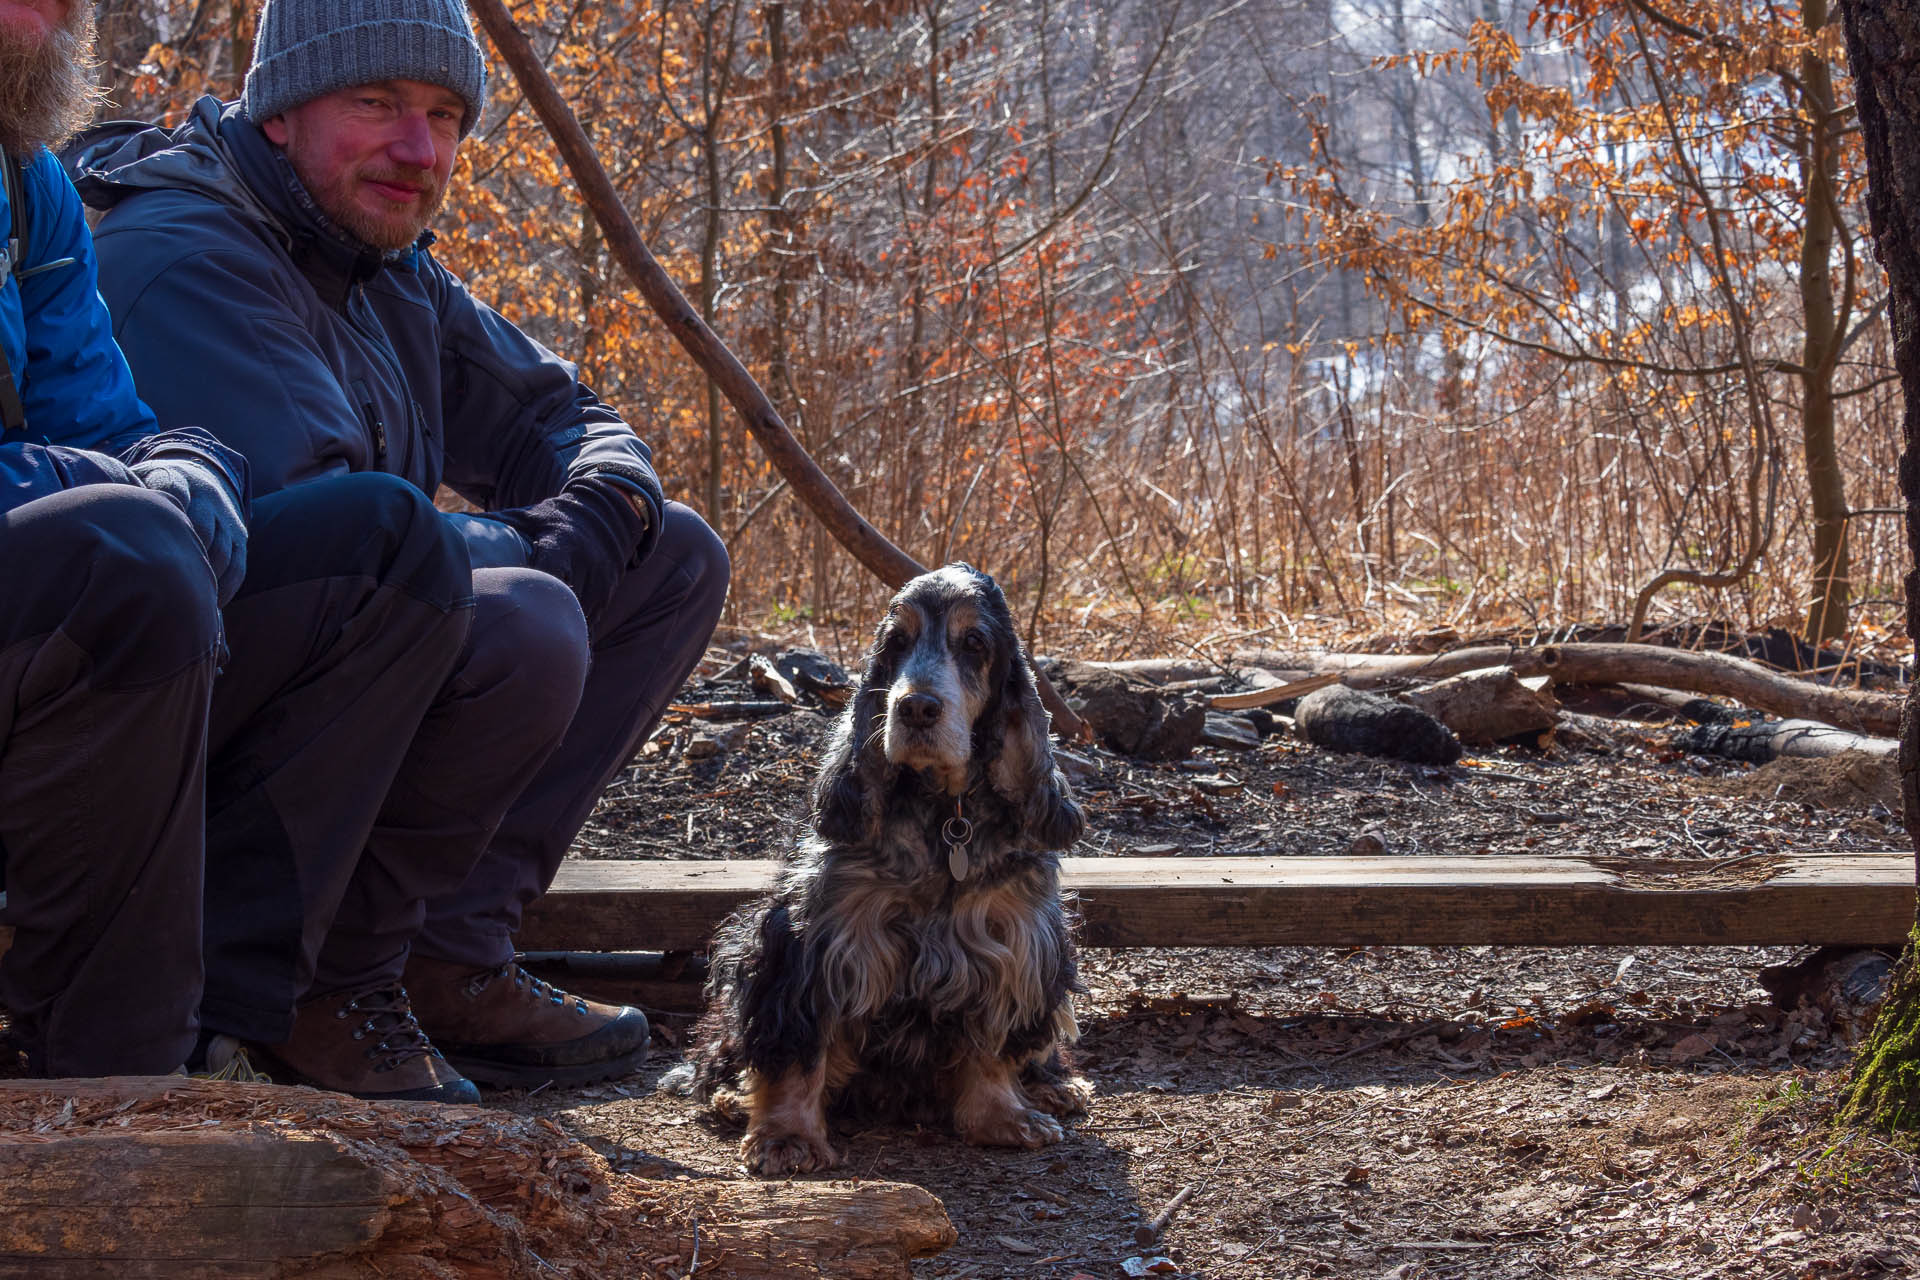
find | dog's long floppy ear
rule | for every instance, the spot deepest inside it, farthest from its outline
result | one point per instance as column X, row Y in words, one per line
column 846, row 794
column 1023, row 772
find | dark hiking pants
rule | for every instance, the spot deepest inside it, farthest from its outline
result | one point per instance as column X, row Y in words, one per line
column 108, row 636
column 355, row 608
column 662, row 615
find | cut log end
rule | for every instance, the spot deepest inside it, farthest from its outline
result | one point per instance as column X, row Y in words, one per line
column 1489, row 705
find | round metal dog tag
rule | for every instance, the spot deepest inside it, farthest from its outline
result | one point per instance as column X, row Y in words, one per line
column 957, row 861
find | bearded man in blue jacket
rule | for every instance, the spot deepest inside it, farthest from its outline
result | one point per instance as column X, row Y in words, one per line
column 271, row 279
column 128, row 577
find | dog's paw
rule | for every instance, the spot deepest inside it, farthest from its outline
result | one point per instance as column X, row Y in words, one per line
column 1021, row 1128
column 730, row 1106
column 1067, row 1096
column 775, row 1155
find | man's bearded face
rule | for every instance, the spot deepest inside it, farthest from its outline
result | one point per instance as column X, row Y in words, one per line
column 376, row 158
column 47, row 93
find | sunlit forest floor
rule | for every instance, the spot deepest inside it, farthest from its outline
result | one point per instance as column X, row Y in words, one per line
column 1395, row 1112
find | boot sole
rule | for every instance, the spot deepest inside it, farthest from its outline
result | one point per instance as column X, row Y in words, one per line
column 449, row 1094
column 506, row 1075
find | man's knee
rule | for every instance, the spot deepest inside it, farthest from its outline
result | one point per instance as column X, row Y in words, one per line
column 365, row 523
column 528, row 640
column 691, row 542
column 117, row 569
column 683, row 581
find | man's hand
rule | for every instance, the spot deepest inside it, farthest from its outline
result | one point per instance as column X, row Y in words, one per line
column 211, row 508
column 585, row 535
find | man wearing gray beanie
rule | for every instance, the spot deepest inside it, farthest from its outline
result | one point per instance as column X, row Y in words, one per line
column 270, row 275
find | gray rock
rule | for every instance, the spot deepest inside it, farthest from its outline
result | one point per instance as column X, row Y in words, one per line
column 1234, row 732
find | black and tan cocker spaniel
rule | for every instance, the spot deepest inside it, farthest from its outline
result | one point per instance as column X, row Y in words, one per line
column 914, row 960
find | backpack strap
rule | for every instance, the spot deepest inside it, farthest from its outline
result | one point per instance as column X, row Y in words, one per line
column 20, row 229
column 13, row 414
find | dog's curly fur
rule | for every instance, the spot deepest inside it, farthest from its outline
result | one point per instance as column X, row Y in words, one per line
column 872, row 980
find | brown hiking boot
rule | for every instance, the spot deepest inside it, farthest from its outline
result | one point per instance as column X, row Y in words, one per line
column 507, row 1028
column 367, row 1044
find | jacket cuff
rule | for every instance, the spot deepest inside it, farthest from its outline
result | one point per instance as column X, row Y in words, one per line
column 193, row 444
column 634, row 480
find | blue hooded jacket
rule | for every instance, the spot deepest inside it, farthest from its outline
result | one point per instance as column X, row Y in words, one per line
column 241, row 307
column 84, row 422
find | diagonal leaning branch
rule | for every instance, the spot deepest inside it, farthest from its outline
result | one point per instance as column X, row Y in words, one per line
column 812, row 485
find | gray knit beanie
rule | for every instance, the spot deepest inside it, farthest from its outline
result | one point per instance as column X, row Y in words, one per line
column 308, row 48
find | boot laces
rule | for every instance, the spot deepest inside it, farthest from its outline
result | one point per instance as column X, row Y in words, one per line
column 389, row 1022
column 538, row 988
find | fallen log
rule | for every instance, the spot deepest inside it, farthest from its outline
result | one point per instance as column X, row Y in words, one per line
column 1489, row 705
column 1343, row 719
column 1159, row 670
column 187, row 1178
column 1746, row 682
column 1766, row 740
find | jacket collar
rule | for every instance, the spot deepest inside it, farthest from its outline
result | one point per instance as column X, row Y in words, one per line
column 332, row 258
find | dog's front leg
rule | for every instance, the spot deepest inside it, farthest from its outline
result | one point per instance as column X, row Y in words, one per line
column 787, row 1123
column 992, row 1111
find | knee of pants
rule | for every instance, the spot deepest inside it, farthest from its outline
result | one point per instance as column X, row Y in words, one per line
column 365, row 522
column 688, row 572
column 529, row 643
column 685, row 537
column 125, row 579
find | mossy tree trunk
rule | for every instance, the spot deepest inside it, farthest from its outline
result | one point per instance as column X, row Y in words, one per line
column 1883, row 45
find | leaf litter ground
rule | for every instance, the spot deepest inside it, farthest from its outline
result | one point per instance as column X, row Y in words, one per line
column 1396, row 1112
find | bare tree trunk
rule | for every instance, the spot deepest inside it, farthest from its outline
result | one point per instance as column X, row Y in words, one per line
column 1827, row 616
column 1883, row 45
column 779, row 217
column 1404, row 96
column 240, row 50
column 716, row 77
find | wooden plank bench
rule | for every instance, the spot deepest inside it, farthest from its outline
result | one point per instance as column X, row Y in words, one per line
column 1784, row 899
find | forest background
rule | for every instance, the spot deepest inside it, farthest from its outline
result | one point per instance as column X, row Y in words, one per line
column 1274, row 319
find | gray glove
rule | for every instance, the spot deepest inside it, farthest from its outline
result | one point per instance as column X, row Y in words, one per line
column 211, row 507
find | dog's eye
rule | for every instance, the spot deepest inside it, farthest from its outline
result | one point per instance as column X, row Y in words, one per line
column 974, row 643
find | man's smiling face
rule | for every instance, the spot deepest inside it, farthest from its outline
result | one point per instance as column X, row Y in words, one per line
column 375, row 157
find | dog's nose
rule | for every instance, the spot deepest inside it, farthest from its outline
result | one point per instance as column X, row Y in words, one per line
column 918, row 710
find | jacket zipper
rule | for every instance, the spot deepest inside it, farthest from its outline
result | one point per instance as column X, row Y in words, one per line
column 374, row 424
column 379, row 343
